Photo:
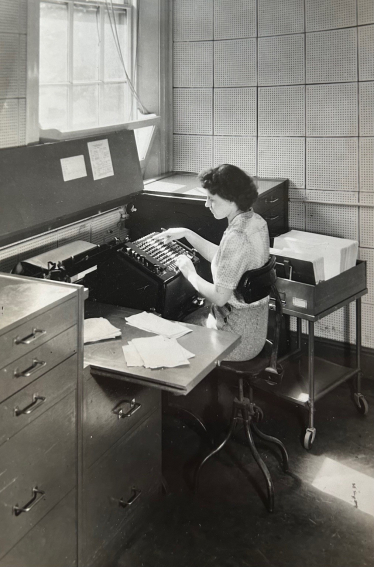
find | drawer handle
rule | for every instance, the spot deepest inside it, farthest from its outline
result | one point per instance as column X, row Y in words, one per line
column 272, row 218
column 36, row 334
column 270, row 201
column 36, row 365
column 37, row 401
column 131, row 408
column 132, row 499
column 33, row 502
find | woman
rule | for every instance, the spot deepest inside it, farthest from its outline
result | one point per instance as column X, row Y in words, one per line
column 230, row 193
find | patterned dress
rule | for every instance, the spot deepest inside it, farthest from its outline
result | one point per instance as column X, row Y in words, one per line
column 244, row 246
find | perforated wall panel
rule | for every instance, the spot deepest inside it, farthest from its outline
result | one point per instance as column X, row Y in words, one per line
column 281, row 60
column 234, row 23
column 296, row 215
column 276, row 17
column 193, row 111
column 340, row 325
column 192, row 153
column 331, row 56
column 240, row 151
column 23, row 15
column 334, row 220
column 22, row 122
column 366, row 227
column 366, row 53
column 22, row 69
column 367, row 164
column 332, row 163
column 9, row 123
column 367, row 326
column 338, row 197
column 193, row 64
column 193, row 20
column 9, row 16
column 235, row 63
column 9, row 65
column 235, row 111
column 281, row 111
column 329, row 14
column 365, row 11
column 366, row 109
column 332, row 110
column 368, row 255
column 282, row 157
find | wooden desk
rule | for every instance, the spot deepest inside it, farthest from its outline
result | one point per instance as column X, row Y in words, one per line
column 106, row 357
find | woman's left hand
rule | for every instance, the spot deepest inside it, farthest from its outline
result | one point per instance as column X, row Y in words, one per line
column 186, row 266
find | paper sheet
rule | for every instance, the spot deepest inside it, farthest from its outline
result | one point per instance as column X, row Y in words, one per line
column 101, row 160
column 153, row 324
column 156, row 352
column 73, row 168
column 98, row 329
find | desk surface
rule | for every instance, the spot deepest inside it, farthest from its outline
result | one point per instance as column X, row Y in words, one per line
column 106, row 357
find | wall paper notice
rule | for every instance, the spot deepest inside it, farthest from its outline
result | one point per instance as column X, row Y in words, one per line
column 101, row 160
column 73, row 168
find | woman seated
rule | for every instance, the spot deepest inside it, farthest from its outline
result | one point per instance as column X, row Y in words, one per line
column 230, row 193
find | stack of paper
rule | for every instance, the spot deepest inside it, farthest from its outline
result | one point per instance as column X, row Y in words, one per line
column 154, row 324
column 99, row 329
column 156, row 352
column 339, row 254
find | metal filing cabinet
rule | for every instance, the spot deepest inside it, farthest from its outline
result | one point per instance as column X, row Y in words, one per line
column 40, row 365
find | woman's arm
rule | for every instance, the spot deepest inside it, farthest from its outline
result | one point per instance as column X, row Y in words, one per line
column 215, row 294
column 204, row 247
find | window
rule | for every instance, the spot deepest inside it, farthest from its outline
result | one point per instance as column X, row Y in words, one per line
column 85, row 47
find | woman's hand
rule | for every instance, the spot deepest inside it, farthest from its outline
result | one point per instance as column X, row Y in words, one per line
column 186, row 266
column 171, row 234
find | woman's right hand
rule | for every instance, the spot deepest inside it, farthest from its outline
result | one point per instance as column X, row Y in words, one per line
column 171, row 234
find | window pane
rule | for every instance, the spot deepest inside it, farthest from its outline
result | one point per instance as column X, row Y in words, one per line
column 115, row 28
column 113, row 104
column 53, row 62
column 53, row 107
column 86, row 44
column 85, row 106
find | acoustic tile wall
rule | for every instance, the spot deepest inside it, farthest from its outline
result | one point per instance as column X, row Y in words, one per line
column 291, row 89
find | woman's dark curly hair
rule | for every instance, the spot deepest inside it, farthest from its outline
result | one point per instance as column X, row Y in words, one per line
column 230, row 183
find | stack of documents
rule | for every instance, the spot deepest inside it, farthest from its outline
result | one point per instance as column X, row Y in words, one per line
column 99, row 329
column 339, row 254
column 156, row 352
column 154, row 324
column 310, row 256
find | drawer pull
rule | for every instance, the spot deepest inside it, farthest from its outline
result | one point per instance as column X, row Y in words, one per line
column 271, row 218
column 36, row 334
column 36, row 365
column 270, row 201
column 134, row 497
column 128, row 411
column 37, row 401
column 33, row 502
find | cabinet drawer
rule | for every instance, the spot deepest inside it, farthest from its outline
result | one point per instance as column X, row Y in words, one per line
column 42, row 456
column 132, row 465
column 28, row 404
column 37, row 331
column 24, row 370
column 52, row 542
column 111, row 408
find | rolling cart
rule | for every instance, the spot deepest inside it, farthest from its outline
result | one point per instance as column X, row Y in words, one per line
column 308, row 378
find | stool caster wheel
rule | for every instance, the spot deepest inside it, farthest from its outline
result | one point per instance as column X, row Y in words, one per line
column 310, row 435
column 361, row 404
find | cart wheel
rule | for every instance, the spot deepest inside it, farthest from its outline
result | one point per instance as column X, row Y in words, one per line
column 310, row 435
column 259, row 414
column 361, row 404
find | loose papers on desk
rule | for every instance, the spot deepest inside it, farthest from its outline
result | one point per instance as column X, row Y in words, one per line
column 339, row 254
column 154, row 324
column 99, row 329
column 156, row 352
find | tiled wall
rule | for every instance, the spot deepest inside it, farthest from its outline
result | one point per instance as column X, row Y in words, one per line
column 285, row 88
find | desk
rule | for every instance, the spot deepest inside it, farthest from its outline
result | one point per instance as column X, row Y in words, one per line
column 121, row 441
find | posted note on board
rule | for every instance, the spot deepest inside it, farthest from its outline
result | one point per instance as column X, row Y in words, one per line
column 73, row 168
column 101, row 160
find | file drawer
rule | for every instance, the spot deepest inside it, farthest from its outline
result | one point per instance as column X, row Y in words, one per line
column 29, row 403
column 41, row 457
column 45, row 545
column 111, row 408
column 27, row 336
column 24, row 370
column 122, row 485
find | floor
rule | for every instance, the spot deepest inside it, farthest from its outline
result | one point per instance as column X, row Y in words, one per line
column 324, row 508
